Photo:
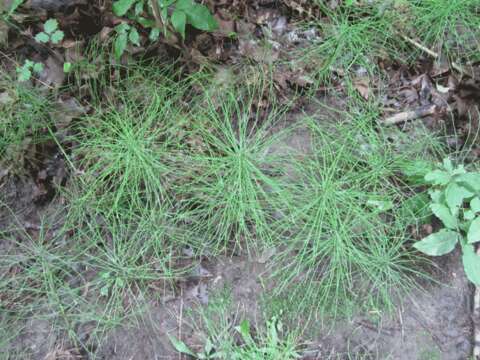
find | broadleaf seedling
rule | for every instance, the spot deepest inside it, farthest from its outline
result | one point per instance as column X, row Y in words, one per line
column 173, row 14
column 50, row 33
column 125, row 34
column 455, row 201
column 25, row 71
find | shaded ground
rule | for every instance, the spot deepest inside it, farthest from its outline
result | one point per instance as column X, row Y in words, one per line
column 433, row 323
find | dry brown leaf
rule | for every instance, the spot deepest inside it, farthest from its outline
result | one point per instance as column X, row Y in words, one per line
column 363, row 87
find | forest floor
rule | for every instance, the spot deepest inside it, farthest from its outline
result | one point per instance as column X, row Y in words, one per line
column 249, row 192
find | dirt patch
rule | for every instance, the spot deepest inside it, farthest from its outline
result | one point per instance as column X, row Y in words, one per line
column 433, row 323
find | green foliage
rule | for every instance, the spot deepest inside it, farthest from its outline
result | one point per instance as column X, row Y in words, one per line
column 7, row 12
column 67, row 67
column 351, row 37
column 345, row 228
column 455, row 197
column 450, row 27
column 128, row 149
column 25, row 71
column 24, row 114
column 231, row 198
column 175, row 13
column 268, row 342
column 125, row 34
column 50, row 33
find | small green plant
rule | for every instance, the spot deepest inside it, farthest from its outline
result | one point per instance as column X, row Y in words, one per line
column 345, row 226
column 232, row 198
column 6, row 13
column 137, row 141
column 207, row 353
column 176, row 14
column 351, row 37
column 125, row 34
column 449, row 27
column 226, row 337
column 268, row 346
column 50, row 33
column 25, row 71
column 455, row 196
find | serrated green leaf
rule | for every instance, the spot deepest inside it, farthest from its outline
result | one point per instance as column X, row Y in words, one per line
column 42, row 38
column 50, row 26
column 37, row 68
column 104, row 290
column 439, row 243
column 146, row 23
column 121, row 7
column 443, row 213
column 167, row 3
column 380, row 205
column 460, row 170
column 120, row 45
column 416, row 170
column 471, row 264
column 183, row 5
column 455, row 195
column 56, row 37
column 134, row 37
column 208, row 346
column 438, row 177
column 180, row 346
column 473, row 234
column 244, row 329
column 179, row 21
column 475, row 204
column 417, row 205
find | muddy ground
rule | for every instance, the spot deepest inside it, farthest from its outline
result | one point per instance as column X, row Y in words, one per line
column 434, row 322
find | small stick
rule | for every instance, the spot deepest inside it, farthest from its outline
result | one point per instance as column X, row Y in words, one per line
column 411, row 115
column 435, row 55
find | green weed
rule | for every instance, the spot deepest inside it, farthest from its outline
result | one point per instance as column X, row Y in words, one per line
column 232, row 194
column 452, row 188
column 351, row 38
column 23, row 117
column 449, row 27
column 221, row 330
column 345, row 228
column 126, row 152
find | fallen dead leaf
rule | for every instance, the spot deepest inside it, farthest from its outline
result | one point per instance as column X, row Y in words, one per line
column 363, row 87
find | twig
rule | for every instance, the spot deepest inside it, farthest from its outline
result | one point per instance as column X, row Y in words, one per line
column 435, row 55
column 411, row 115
